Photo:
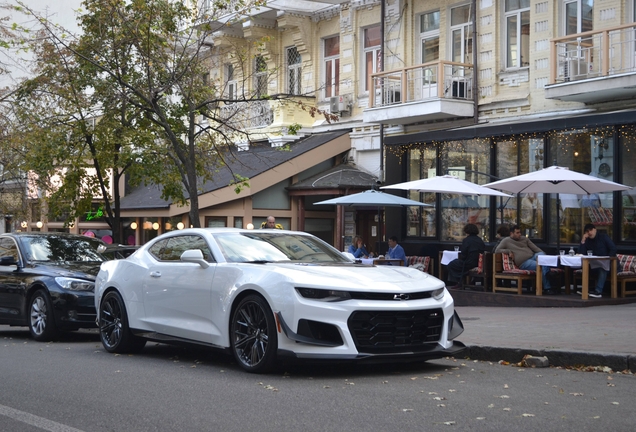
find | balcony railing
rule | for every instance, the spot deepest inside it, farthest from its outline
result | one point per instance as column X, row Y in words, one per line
column 598, row 53
column 247, row 115
column 440, row 79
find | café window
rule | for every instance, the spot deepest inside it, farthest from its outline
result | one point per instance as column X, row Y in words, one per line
column 627, row 144
column 215, row 222
column 422, row 165
column 588, row 152
column 516, row 156
column 465, row 159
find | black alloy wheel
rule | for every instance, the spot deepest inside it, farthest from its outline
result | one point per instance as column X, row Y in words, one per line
column 41, row 321
column 113, row 326
column 253, row 335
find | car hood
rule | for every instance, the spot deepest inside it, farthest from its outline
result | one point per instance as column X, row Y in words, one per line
column 82, row 270
column 358, row 276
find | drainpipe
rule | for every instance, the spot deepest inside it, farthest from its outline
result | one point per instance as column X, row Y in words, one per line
column 475, row 83
column 382, row 14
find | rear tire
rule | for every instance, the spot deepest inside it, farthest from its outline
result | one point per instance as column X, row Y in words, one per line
column 253, row 335
column 41, row 321
column 114, row 330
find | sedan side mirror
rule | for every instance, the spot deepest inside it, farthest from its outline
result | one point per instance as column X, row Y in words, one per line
column 194, row 256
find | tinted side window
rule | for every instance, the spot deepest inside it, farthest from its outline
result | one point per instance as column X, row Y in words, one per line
column 178, row 245
column 156, row 249
column 8, row 248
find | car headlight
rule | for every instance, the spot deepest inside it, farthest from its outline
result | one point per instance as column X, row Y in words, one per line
column 438, row 293
column 323, row 294
column 72, row 284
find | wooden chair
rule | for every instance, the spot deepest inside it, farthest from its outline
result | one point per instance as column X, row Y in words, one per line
column 626, row 272
column 503, row 268
column 481, row 272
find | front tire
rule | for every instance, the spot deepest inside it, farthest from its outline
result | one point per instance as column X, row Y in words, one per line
column 114, row 330
column 41, row 321
column 253, row 335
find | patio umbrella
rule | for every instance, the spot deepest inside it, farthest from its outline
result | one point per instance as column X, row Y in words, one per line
column 446, row 184
column 372, row 198
column 556, row 179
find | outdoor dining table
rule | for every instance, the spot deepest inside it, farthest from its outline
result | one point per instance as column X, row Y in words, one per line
column 445, row 257
column 578, row 261
column 381, row 261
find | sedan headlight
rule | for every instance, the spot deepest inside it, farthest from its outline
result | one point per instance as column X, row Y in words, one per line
column 438, row 293
column 73, row 284
column 323, row 294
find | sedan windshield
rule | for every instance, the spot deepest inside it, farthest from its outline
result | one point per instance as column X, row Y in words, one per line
column 271, row 247
column 61, row 249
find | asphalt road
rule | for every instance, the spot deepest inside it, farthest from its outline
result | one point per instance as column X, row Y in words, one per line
column 74, row 385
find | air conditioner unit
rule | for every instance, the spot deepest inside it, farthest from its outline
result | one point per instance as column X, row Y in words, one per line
column 339, row 104
column 574, row 69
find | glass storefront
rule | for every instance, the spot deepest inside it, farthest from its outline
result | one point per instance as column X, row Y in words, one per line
column 588, row 150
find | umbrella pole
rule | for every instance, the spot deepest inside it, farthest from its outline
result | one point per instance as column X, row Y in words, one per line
column 558, row 224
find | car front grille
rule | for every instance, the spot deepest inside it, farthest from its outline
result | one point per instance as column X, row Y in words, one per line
column 385, row 332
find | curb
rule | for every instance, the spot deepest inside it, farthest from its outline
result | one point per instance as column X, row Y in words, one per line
column 617, row 362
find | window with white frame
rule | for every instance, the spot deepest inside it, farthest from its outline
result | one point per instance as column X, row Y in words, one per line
column 294, row 63
column 517, row 13
column 331, row 53
column 461, row 34
column 260, row 76
column 231, row 87
column 372, row 55
column 578, row 16
column 429, row 36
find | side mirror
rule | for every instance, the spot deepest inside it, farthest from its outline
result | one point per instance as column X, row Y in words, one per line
column 194, row 256
column 8, row 261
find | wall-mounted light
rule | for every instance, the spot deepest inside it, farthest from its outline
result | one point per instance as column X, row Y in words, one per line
column 576, row 154
column 39, row 224
column 133, row 225
column 180, row 225
column 250, row 226
column 24, row 224
column 155, row 226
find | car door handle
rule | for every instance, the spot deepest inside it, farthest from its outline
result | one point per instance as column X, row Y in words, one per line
column 155, row 274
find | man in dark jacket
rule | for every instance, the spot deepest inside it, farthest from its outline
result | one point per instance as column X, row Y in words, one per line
column 599, row 244
column 470, row 249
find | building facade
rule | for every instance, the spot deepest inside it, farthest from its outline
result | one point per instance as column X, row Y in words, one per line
column 483, row 89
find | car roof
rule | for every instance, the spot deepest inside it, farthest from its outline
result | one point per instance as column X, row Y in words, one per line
column 46, row 234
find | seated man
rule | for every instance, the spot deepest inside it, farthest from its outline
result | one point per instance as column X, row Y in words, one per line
column 601, row 245
column 396, row 251
column 524, row 253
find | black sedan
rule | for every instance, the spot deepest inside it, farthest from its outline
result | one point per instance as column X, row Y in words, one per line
column 47, row 282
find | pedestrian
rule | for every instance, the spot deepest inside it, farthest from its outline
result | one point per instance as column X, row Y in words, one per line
column 271, row 224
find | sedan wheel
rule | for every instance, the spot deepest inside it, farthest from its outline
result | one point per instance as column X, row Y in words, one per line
column 41, row 321
column 253, row 335
column 113, row 326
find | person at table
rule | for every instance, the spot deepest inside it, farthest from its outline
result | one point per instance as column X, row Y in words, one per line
column 601, row 245
column 469, row 251
column 396, row 251
column 524, row 253
column 358, row 249
column 502, row 232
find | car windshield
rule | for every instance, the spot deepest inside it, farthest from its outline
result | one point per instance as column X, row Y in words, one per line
column 61, row 249
column 270, row 247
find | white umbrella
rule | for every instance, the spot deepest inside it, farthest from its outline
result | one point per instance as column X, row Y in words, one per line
column 556, row 179
column 372, row 198
column 446, row 184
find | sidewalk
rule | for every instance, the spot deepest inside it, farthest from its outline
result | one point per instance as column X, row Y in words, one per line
column 594, row 336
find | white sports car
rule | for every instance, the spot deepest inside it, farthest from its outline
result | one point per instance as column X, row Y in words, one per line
column 269, row 293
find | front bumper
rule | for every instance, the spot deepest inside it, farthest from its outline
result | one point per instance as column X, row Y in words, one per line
column 74, row 310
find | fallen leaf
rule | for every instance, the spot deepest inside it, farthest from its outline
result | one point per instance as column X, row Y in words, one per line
column 615, row 403
column 507, row 409
column 481, row 418
column 491, row 406
column 441, row 405
column 506, row 386
column 577, row 394
column 326, row 387
column 452, row 390
column 413, row 378
column 432, row 393
column 503, row 397
column 527, row 415
column 439, row 398
column 407, row 409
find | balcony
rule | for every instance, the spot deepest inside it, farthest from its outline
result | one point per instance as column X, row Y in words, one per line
column 438, row 90
column 595, row 66
column 269, row 115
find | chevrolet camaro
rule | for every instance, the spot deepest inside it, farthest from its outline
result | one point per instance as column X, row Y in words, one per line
column 265, row 295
